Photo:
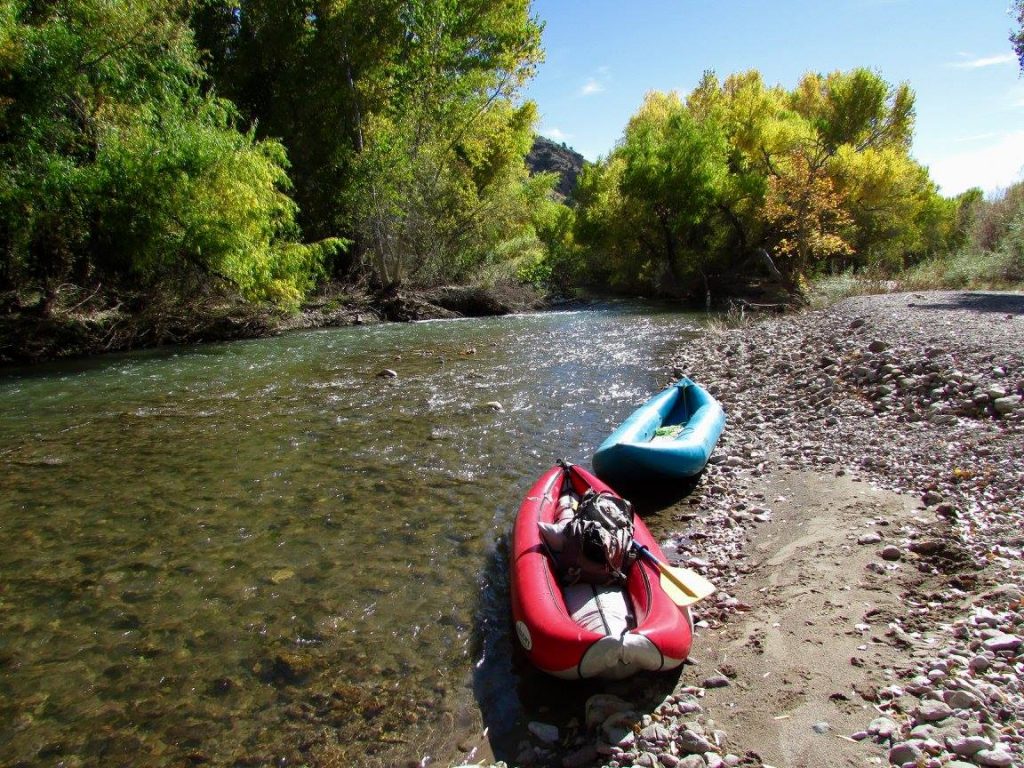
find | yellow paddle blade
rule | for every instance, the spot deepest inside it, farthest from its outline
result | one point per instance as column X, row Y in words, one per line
column 683, row 586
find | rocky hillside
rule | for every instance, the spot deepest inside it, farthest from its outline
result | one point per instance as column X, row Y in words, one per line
column 546, row 155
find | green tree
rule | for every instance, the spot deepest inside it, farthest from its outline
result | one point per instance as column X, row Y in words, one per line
column 807, row 213
column 821, row 176
column 896, row 214
column 441, row 185
column 857, row 109
column 674, row 171
column 601, row 227
column 669, row 170
column 400, row 117
column 846, row 137
column 760, row 130
column 308, row 74
column 117, row 168
column 560, row 266
column 1017, row 37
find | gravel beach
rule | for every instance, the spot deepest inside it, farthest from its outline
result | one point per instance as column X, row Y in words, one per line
column 862, row 517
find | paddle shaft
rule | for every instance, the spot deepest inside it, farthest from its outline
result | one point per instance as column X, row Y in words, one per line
column 689, row 585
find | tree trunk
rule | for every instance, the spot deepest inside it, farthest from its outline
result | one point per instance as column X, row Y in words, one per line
column 766, row 259
column 671, row 251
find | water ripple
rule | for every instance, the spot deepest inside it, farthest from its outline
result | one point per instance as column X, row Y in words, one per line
column 225, row 552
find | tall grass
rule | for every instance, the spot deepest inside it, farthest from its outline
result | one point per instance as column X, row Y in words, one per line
column 990, row 258
column 965, row 270
column 993, row 256
column 829, row 289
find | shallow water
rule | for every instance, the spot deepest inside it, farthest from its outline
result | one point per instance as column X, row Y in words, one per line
column 263, row 553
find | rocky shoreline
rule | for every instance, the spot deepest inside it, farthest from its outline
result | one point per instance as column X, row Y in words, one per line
column 918, row 394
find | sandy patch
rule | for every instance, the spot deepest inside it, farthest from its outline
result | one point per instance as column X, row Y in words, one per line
column 814, row 639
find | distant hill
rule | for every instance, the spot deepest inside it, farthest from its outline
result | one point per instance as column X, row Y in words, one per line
column 546, row 155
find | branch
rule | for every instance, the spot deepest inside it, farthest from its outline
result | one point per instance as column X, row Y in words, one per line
column 768, row 162
column 767, row 261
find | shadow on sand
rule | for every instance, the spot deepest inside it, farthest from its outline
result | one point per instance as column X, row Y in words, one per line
column 974, row 301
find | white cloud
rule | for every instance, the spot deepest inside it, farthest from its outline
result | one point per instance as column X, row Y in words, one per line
column 591, row 87
column 978, row 137
column 977, row 62
column 995, row 165
column 555, row 134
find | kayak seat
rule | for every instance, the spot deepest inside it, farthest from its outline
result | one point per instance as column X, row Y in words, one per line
column 602, row 609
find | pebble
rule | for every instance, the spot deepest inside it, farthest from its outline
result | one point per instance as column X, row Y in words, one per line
column 931, row 710
column 965, row 746
column 601, row 706
column 997, row 758
column 655, row 734
column 961, row 700
column 905, row 752
column 618, row 729
column 716, row 681
column 1002, row 643
column 544, row 731
column 693, row 743
column 890, row 553
column 1007, row 405
column 882, row 728
column 966, row 465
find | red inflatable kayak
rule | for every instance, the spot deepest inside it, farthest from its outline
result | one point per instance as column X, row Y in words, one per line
column 585, row 631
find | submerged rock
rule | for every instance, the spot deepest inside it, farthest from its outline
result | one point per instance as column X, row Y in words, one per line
column 544, row 731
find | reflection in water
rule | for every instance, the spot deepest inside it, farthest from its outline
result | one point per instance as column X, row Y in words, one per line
column 261, row 551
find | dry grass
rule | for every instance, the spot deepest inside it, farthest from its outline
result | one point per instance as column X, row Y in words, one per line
column 829, row 290
column 991, row 270
column 986, row 271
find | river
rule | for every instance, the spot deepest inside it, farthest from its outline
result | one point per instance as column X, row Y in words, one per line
column 265, row 553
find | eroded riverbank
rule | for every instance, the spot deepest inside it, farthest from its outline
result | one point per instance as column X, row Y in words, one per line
column 78, row 323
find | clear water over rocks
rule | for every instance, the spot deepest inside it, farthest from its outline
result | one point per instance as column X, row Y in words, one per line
column 265, row 552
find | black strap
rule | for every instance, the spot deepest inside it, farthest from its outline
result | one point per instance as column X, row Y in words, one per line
column 600, row 611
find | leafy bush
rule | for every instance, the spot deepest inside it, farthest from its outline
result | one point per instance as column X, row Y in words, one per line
column 117, row 167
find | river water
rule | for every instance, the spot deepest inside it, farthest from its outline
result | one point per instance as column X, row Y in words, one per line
column 263, row 553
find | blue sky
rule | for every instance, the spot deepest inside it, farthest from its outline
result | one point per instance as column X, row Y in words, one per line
column 604, row 55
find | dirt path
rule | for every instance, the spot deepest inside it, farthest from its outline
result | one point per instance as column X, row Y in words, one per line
column 802, row 658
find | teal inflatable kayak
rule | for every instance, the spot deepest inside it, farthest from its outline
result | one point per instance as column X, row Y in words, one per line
column 671, row 436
